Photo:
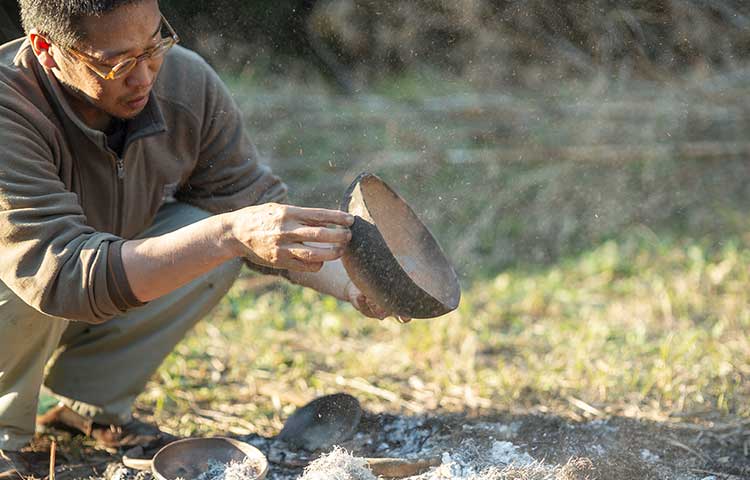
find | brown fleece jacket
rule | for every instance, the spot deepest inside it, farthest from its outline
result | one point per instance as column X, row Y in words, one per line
column 68, row 202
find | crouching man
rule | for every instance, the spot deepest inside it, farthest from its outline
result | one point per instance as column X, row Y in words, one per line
column 129, row 198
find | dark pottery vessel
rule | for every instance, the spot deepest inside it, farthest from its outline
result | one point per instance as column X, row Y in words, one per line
column 392, row 257
column 322, row 423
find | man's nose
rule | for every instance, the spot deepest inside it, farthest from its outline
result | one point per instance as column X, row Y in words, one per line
column 142, row 74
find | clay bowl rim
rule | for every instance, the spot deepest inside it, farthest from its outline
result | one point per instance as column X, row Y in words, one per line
column 242, row 446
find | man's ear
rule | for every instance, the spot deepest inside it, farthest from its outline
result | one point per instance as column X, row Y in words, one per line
column 41, row 47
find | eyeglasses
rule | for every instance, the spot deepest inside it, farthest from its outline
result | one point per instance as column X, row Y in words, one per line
column 124, row 67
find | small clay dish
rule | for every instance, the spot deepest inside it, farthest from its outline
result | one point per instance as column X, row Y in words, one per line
column 392, row 257
column 322, row 423
column 189, row 458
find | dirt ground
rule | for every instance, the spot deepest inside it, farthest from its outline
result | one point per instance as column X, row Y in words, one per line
column 544, row 447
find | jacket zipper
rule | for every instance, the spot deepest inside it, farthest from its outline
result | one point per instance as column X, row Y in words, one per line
column 120, row 167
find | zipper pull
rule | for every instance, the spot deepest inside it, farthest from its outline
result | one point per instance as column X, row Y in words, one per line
column 120, row 167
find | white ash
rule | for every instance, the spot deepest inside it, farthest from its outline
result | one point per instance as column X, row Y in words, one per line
column 502, row 461
column 247, row 469
column 648, row 456
column 115, row 471
column 505, row 453
column 596, row 450
column 338, row 465
column 600, row 425
column 536, row 471
column 500, row 431
column 408, row 437
column 472, row 461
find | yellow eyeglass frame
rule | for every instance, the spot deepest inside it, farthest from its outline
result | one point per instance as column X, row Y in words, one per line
column 126, row 66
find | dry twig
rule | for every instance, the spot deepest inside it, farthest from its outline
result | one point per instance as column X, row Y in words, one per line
column 678, row 444
column 52, row 454
column 364, row 386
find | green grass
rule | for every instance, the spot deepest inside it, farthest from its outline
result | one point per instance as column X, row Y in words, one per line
column 640, row 325
column 623, row 286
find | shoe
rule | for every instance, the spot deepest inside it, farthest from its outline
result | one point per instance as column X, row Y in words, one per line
column 21, row 465
column 132, row 434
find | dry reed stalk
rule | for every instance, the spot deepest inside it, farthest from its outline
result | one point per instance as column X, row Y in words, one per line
column 678, row 444
column 364, row 386
column 52, row 459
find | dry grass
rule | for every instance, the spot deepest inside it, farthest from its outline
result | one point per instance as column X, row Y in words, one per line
column 591, row 289
column 640, row 327
column 511, row 177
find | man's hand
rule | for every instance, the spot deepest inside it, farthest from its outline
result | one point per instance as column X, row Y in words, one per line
column 278, row 236
column 366, row 306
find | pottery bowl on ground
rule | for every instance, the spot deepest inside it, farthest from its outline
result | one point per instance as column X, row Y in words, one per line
column 322, row 423
column 191, row 457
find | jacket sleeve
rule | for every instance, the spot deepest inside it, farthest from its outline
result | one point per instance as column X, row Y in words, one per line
column 228, row 174
column 50, row 257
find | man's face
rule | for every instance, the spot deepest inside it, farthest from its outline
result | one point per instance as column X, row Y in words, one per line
column 125, row 32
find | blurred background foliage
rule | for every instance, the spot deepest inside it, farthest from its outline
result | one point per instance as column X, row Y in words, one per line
column 455, row 100
column 488, row 42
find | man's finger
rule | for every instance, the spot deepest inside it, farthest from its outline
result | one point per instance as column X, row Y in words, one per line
column 365, row 308
column 375, row 309
column 338, row 236
column 322, row 216
column 310, row 253
column 296, row 265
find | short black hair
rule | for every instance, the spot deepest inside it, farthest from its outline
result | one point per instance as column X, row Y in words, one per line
column 59, row 20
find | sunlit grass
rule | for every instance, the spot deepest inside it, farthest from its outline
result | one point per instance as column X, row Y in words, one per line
column 590, row 289
column 640, row 326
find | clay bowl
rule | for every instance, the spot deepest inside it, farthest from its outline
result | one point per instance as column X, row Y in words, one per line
column 189, row 458
column 322, row 423
column 392, row 257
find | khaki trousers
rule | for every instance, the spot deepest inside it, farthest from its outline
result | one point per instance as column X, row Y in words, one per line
column 97, row 370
